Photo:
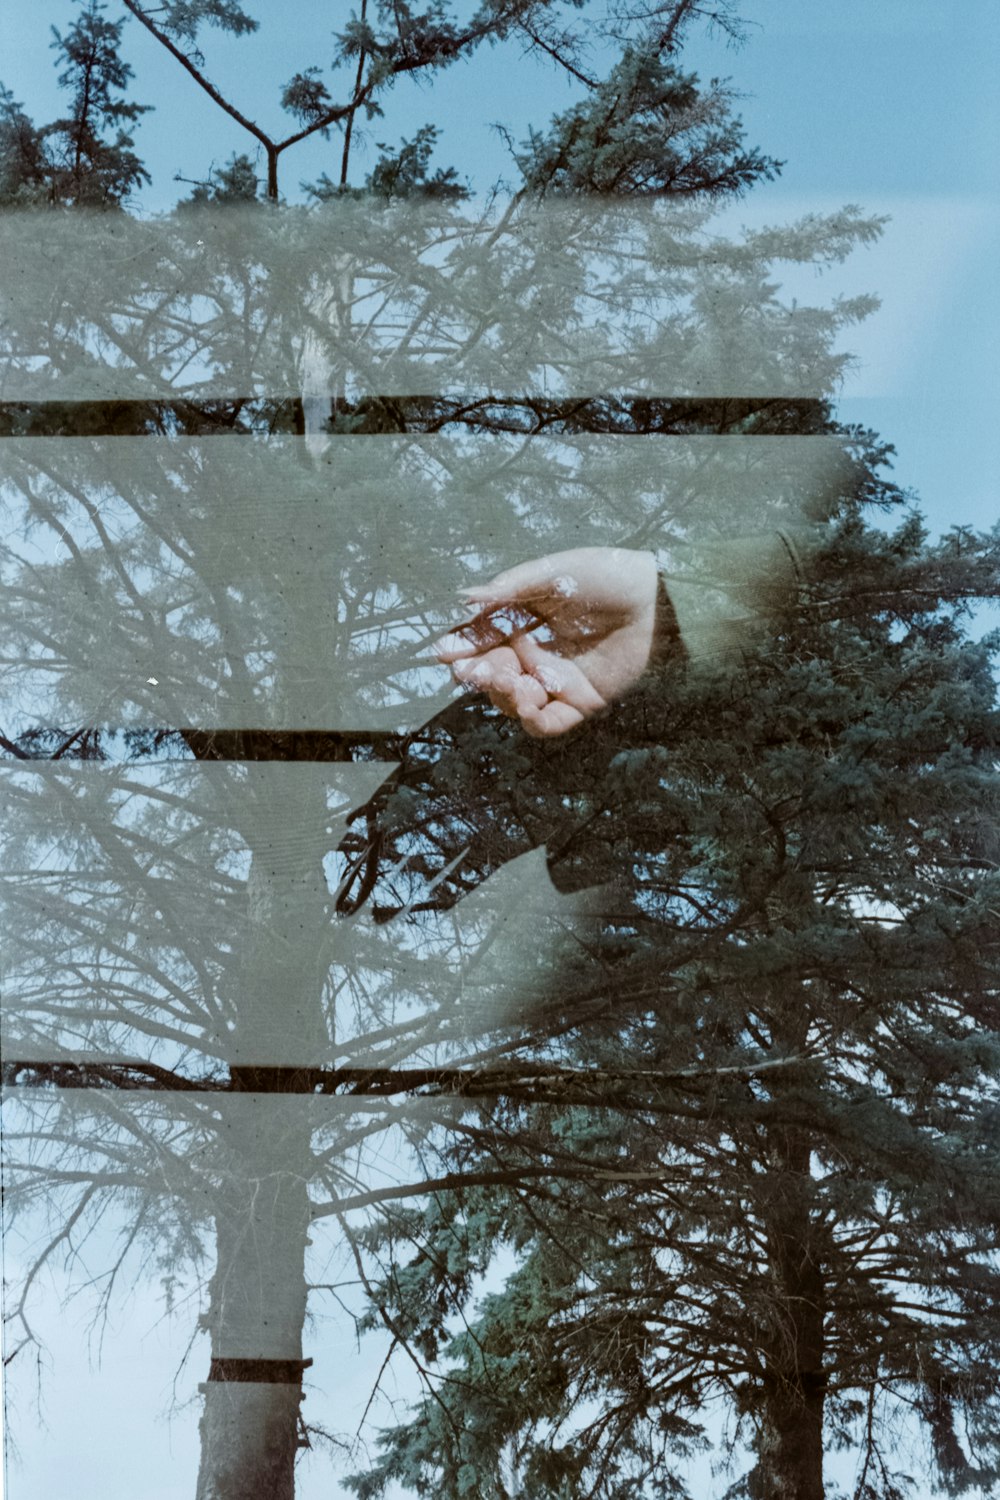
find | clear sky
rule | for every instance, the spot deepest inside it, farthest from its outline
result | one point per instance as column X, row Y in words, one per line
column 891, row 104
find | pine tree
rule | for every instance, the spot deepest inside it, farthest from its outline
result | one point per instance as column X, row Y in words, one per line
column 236, row 182
column 623, row 137
column 75, row 160
column 791, row 1200
column 22, row 154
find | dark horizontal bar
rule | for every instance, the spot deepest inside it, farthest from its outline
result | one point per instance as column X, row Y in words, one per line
column 238, row 1080
column 297, row 744
column 608, row 412
column 129, row 1077
column 259, row 1371
column 348, row 1081
column 334, row 745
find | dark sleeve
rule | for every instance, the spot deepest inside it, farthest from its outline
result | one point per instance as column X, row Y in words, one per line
column 722, row 588
column 667, row 643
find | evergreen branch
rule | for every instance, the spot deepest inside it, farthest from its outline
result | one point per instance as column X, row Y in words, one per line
column 667, row 37
column 455, row 1181
column 442, row 49
column 349, row 127
column 13, row 749
column 199, row 77
column 557, row 56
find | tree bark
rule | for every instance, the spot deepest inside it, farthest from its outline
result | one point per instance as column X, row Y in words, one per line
column 250, row 1423
column 790, row 1439
column 263, row 1159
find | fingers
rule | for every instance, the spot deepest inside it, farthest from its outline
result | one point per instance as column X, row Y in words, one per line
column 510, row 688
column 487, row 630
column 564, row 680
column 547, row 693
column 596, row 607
column 487, row 670
column 500, row 674
column 471, row 639
column 518, row 695
column 555, row 718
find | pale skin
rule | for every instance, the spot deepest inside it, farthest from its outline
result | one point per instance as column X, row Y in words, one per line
column 555, row 640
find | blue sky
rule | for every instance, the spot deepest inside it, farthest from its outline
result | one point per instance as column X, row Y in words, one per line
column 888, row 96
column 892, row 104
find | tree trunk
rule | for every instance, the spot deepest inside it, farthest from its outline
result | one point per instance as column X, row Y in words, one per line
column 250, row 1424
column 263, row 1159
column 790, row 1438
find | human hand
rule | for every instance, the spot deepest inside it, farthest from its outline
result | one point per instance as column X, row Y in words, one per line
column 579, row 632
